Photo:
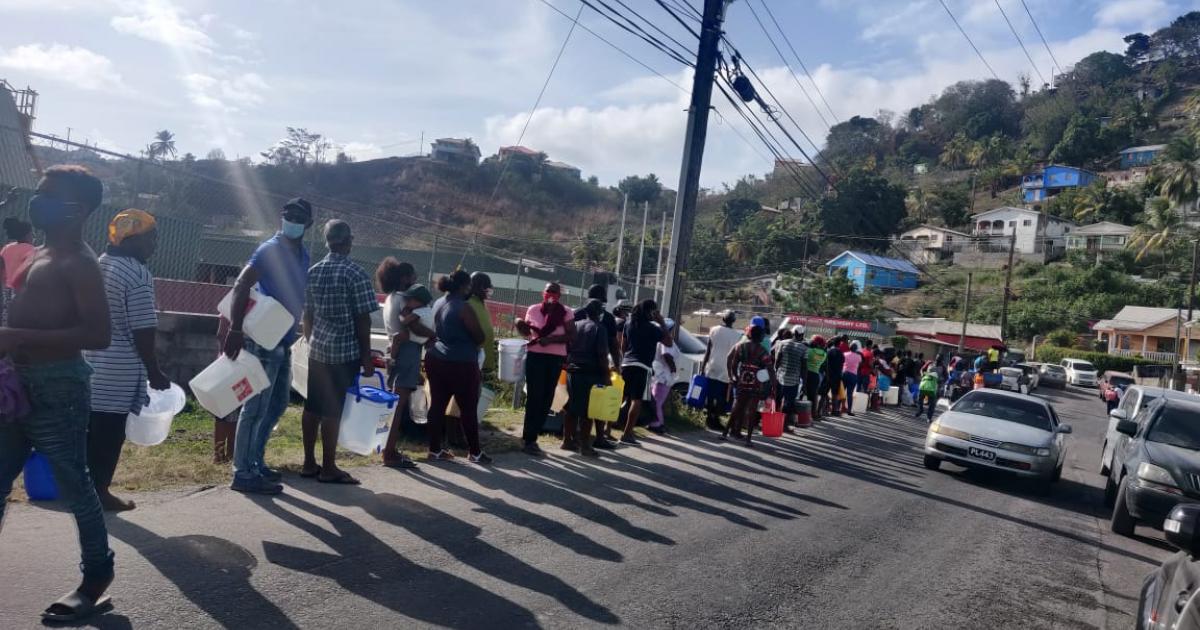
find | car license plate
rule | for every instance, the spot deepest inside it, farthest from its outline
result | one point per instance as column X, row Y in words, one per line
column 981, row 453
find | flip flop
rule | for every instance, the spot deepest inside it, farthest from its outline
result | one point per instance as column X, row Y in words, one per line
column 311, row 474
column 344, row 479
column 400, row 464
column 79, row 607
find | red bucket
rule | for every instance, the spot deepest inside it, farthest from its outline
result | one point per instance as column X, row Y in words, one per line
column 803, row 414
column 772, row 424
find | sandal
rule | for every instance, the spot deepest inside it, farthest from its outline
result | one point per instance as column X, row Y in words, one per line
column 399, row 462
column 311, row 474
column 75, row 607
column 344, row 479
column 440, row 456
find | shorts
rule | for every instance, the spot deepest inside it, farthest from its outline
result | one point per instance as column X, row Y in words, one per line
column 637, row 382
column 327, row 385
column 579, row 392
column 716, row 392
column 405, row 370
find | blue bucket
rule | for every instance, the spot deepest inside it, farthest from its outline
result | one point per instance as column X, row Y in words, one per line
column 39, row 480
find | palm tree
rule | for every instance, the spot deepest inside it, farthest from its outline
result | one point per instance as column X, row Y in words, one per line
column 1160, row 225
column 1093, row 201
column 163, row 145
column 955, row 152
column 738, row 250
column 1179, row 174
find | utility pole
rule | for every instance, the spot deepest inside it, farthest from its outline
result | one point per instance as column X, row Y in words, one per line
column 432, row 259
column 804, row 270
column 658, row 263
column 621, row 237
column 962, row 337
column 1191, row 301
column 693, row 154
column 1178, row 354
column 637, row 281
column 1012, row 246
column 516, row 295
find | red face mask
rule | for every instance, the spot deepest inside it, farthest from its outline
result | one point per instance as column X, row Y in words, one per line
column 552, row 298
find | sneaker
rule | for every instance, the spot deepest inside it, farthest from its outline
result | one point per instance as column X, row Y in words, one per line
column 534, row 450
column 271, row 475
column 483, row 459
column 603, row 444
column 440, row 456
column 257, row 485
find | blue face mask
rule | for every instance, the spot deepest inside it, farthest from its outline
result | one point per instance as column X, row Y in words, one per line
column 294, row 231
column 48, row 212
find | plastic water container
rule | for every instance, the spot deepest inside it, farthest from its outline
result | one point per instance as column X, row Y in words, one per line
column 486, row 396
column 604, row 404
column 418, row 406
column 366, row 417
column 803, row 413
column 861, row 402
column 153, row 424
column 227, row 384
column 266, row 320
column 892, row 396
column 696, row 393
column 512, row 359
column 39, row 479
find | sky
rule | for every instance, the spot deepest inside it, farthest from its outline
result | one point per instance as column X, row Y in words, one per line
column 376, row 75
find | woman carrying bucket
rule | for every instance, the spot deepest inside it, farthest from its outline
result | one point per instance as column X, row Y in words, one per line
column 752, row 367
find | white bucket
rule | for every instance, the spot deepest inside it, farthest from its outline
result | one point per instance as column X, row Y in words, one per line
column 366, row 417
column 153, row 424
column 892, row 396
column 418, row 405
column 225, row 385
column 512, row 359
column 266, row 320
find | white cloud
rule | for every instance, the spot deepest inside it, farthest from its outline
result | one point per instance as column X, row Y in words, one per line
column 225, row 94
column 162, row 22
column 1132, row 13
column 69, row 64
column 362, row 150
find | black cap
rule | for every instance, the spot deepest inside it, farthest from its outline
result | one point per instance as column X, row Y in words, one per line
column 299, row 203
column 598, row 292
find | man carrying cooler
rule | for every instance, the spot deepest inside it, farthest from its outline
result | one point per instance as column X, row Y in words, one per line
column 279, row 267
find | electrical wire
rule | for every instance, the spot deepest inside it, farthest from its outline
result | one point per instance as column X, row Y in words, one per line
column 653, row 41
column 772, row 144
column 1043, row 37
column 682, row 23
column 787, row 65
column 788, row 41
column 1021, row 43
column 968, row 38
column 688, row 10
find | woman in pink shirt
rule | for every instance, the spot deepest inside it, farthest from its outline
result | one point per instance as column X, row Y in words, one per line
column 549, row 326
column 852, row 361
column 14, row 255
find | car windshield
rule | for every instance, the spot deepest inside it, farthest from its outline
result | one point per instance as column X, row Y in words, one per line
column 1055, row 369
column 1030, row 413
column 1177, row 426
column 688, row 344
column 1084, row 366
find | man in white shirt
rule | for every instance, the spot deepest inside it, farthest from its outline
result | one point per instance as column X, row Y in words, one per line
column 721, row 340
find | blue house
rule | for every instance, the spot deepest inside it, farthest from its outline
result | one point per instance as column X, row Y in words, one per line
column 875, row 272
column 1140, row 156
column 1052, row 180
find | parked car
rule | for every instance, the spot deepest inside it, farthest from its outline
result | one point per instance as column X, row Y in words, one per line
column 1014, row 379
column 998, row 430
column 1156, row 464
column 1168, row 596
column 1079, row 372
column 1135, row 399
column 1051, row 375
column 1112, row 378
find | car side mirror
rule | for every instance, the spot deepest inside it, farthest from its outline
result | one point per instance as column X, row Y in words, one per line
column 1119, row 414
column 1128, row 427
column 1181, row 528
column 1064, row 428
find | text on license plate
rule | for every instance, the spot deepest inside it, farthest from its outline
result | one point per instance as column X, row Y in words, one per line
column 981, row 453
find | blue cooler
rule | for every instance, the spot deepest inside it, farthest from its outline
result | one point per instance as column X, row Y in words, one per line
column 39, row 479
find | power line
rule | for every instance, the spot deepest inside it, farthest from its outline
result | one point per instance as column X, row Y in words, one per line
column 968, row 38
column 788, row 41
column 779, row 153
column 1021, row 43
column 675, row 15
column 688, row 10
column 654, row 26
column 1043, row 37
column 788, row 66
column 638, row 32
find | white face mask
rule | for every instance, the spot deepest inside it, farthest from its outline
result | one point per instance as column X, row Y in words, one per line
column 292, row 230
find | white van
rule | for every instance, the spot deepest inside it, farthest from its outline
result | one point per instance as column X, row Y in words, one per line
column 1080, row 372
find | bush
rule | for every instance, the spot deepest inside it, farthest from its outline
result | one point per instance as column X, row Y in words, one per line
column 1062, row 338
column 1102, row 361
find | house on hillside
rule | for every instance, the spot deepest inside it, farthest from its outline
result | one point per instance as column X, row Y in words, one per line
column 506, row 152
column 868, row 271
column 566, row 169
column 929, row 243
column 1127, row 178
column 1148, row 332
column 931, row 335
column 455, row 151
column 18, row 167
column 1053, row 179
column 1099, row 239
column 1140, row 156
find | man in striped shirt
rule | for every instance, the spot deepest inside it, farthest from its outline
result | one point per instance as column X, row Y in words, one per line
column 122, row 369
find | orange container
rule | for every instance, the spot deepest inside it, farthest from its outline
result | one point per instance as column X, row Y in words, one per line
column 562, row 377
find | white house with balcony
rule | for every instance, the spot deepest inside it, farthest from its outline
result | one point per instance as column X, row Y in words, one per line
column 929, row 243
column 1039, row 237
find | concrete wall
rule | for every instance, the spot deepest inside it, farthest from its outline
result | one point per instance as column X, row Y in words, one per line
column 993, row 260
column 186, row 344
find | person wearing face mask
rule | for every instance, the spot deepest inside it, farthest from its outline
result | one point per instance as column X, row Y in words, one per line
column 279, row 268
column 549, row 326
column 481, row 292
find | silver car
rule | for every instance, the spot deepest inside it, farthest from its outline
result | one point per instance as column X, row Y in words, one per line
column 988, row 428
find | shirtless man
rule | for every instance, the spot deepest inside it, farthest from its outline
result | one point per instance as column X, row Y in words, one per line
column 59, row 311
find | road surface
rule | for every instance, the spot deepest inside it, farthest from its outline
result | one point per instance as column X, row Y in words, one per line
column 840, row 527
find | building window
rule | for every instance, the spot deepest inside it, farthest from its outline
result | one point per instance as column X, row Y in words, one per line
column 1012, row 224
column 997, row 225
column 858, row 272
column 1027, row 222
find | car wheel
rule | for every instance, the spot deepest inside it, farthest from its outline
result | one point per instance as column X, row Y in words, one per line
column 1122, row 522
column 932, row 463
column 1110, row 492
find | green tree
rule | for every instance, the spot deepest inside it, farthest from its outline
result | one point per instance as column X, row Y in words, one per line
column 641, row 189
column 1098, row 202
column 832, row 295
column 1100, row 69
column 855, row 141
column 955, row 152
column 1160, row 225
column 1047, row 115
column 1178, row 175
column 1080, row 142
column 735, row 212
column 863, row 205
column 162, row 146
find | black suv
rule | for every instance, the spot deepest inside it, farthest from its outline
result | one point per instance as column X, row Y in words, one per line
column 1156, row 464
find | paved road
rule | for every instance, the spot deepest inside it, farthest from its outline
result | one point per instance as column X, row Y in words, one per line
column 838, row 528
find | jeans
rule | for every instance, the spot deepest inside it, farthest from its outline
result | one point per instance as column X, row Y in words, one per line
column 461, row 381
column 850, row 381
column 106, row 437
column 261, row 413
column 931, row 399
column 57, row 426
column 541, row 377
